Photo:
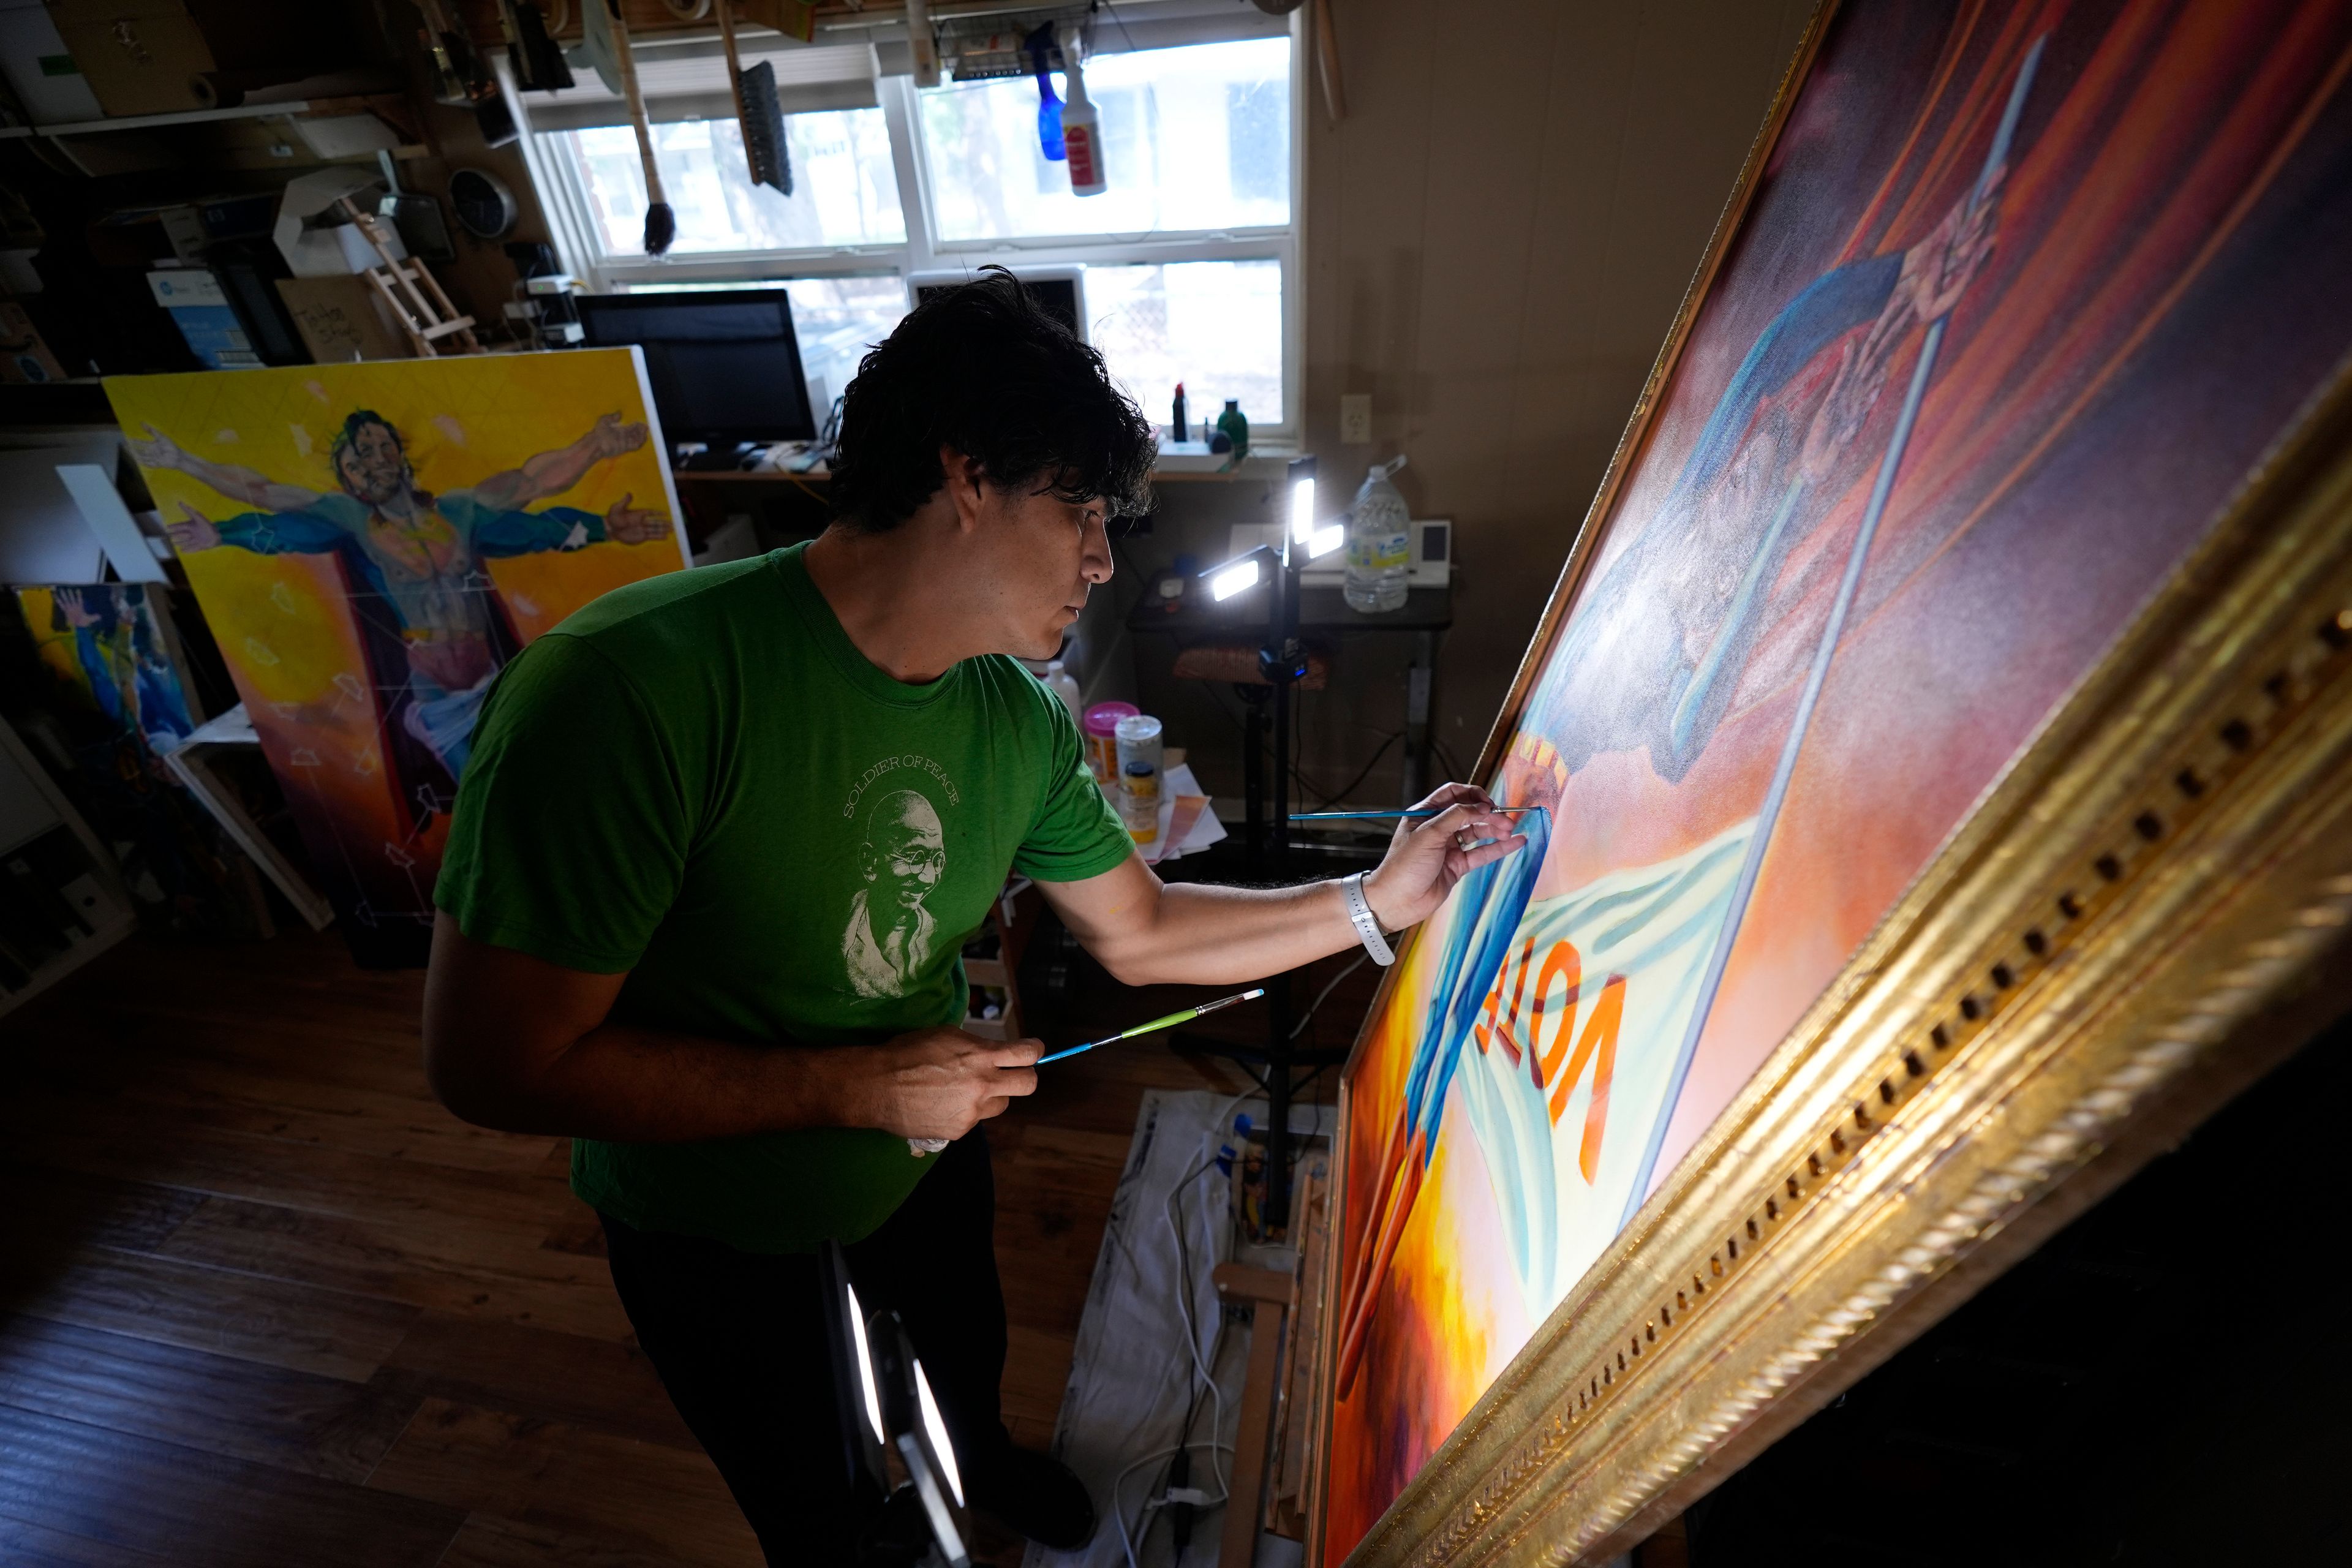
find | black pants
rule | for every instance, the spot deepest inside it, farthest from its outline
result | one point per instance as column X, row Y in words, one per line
column 739, row 1340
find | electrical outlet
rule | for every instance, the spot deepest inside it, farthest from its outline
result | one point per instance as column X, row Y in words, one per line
column 1355, row 418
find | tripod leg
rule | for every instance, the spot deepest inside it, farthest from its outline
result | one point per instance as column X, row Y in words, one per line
column 1254, row 772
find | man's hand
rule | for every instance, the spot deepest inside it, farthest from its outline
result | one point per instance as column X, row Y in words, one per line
column 1426, row 857
column 938, row 1083
column 195, row 532
column 158, row 451
column 1937, row 271
column 610, row 438
column 626, row 524
column 517, row 1043
column 76, row 614
column 1852, row 394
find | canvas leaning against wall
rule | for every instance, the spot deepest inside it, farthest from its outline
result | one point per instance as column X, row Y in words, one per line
column 119, row 699
column 2022, row 293
column 371, row 543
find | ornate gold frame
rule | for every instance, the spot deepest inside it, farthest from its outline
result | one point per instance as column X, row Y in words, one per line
column 2150, row 908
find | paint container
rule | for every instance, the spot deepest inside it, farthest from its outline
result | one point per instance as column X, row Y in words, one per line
column 1099, row 730
column 1138, row 776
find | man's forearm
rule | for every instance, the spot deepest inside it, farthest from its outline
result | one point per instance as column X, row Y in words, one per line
column 1204, row 935
column 651, row 1086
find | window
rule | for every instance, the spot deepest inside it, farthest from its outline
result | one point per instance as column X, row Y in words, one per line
column 836, row 321
column 1189, row 261
column 845, row 191
column 1193, row 138
column 1217, row 326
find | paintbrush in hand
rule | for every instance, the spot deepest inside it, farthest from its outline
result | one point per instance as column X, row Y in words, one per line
column 918, row 1147
column 1184, row 1017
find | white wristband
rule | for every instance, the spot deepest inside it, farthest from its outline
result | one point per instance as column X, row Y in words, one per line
column 1360, row 910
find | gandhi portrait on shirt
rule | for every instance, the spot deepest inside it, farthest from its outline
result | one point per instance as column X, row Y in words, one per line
column 899, row 860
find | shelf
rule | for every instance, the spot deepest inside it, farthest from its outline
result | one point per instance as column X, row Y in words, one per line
column 152, row 122
column 120, row 924
column 1180, row 465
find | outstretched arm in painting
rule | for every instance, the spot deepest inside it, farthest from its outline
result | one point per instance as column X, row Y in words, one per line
column 104, row 684
column 1928, row 280
column 498, row 534
column 263, row 532
column 551, row 473
column 234, row 481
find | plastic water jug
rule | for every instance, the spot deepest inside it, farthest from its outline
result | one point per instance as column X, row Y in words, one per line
column 1379, row 527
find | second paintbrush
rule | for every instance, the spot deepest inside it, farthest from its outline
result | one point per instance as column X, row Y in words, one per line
column 1170, row 1022
column 1397, row 816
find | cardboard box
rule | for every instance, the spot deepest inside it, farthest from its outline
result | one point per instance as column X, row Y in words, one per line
column 140, row 57
column 343, row 319
column 39, row 67
column 200, row 307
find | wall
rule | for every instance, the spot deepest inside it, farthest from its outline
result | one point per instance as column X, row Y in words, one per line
column 1497, row 236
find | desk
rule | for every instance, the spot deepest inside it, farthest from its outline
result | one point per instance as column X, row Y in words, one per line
column 1320, row 609
column 1185, row 464
column 1242, row 618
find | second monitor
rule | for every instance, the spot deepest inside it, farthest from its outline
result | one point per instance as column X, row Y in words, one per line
column 725, row 364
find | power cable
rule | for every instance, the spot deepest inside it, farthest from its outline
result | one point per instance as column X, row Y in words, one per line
column 1361, row 773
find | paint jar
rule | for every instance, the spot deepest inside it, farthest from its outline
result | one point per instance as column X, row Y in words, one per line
column 1099, row 730
column 1138, row 776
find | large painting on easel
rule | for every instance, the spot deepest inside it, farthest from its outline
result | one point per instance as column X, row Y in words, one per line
column 2019, row 293
column 370, row 543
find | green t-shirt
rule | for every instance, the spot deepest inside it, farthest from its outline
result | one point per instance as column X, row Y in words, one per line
column 698, row 779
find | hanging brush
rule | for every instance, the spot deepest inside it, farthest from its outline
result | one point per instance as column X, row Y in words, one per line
column 758, row 114
column 661, row 223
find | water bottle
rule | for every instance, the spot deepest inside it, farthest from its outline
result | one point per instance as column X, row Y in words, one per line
column 1379, row 526
column 1059, row 681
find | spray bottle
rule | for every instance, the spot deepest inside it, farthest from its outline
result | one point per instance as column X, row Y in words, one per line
column 1040, row 47
column 1081, row 127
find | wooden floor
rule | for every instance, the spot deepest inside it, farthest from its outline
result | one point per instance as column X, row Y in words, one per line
column 263, row 1302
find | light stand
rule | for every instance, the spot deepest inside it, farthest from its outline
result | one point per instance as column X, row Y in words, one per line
column 1282, row 664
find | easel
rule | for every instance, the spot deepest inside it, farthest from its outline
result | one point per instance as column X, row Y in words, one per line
column 404, row 286
column 1267, row 1296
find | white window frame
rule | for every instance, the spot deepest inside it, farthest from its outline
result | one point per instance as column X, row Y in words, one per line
column 577, row 242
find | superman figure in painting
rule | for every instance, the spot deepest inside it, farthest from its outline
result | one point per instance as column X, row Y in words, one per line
column 438, row 637
column 1998, row 259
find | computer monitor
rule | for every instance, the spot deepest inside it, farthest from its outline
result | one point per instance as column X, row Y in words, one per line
column 1060, row 291
column 725, row 365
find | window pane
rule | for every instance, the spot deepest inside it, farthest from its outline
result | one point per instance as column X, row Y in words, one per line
column 845, row 191
column 1194, row 138
column 1217, row 326
column 836, row 320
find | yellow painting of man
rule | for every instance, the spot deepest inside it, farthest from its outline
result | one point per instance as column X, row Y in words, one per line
column 371, row 543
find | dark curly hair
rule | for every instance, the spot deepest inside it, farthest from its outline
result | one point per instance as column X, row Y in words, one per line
column 984, row 369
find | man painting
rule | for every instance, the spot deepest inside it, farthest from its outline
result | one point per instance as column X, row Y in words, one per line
column 641, row 943
column 889, row 934
column 418, row 554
